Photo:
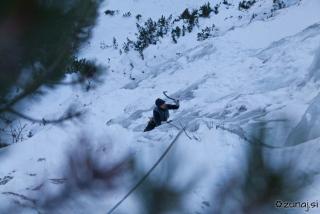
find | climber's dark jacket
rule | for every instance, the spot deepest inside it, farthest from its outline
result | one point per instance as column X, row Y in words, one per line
column 160, row 114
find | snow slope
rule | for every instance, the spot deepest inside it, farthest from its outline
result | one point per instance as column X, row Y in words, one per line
column 256, row 75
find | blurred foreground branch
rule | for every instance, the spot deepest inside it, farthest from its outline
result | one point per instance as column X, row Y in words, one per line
column 39, row 41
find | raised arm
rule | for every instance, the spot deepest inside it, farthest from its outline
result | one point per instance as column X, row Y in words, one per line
column 173, row 107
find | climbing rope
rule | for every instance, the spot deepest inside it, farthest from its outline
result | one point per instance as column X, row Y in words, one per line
column 169, row 122
column 144, row 178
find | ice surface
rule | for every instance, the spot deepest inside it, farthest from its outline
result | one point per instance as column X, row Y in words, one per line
column 308, row 128
column 257, row 76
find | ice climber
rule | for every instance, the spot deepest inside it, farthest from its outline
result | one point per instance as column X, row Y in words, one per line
column 161, row 113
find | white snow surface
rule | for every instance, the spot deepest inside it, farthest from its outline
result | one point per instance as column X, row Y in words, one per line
column 256, row 75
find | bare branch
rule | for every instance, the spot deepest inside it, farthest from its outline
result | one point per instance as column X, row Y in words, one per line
column 210, row 124
column 62, row 119
column 16, row 133
column 184, row 129
column 173, row 125
column 19, row 132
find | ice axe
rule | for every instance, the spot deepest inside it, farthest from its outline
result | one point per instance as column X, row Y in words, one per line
column 167, row 96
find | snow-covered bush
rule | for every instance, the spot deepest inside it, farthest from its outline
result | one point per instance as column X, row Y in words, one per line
column 215, row 9
column 175, row 34
column 76, row 65
column 185, row 14
column 206, row 33
column 114, row 43
column 127, row 14
column 191, row 19
column 111, row 12
column 184, row 30
column 138, row 17
column 147, row 35
column 126, row 46
column 246, row 4
column 226, row 3
column 278, row 4
column 205, row 10
column 103, row 45
column 163, row 25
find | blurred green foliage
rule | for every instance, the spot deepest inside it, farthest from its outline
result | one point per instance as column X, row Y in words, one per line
column 39, row 41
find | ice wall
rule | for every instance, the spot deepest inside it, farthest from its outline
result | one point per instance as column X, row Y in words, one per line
column 314, row 69
column 309, row 126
